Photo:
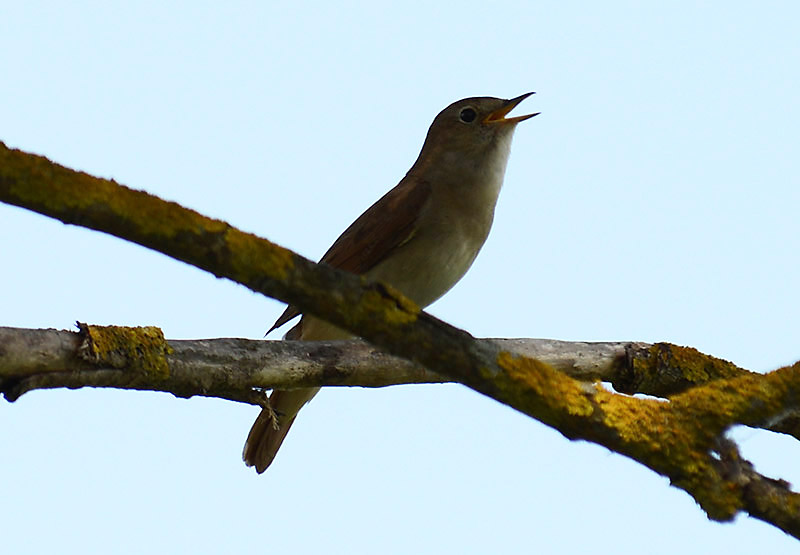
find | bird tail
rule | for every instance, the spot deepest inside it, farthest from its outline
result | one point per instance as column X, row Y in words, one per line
column 270, row 428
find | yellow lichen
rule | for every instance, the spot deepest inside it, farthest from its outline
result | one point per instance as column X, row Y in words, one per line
column 534, row 376
column 747, row 399
column 401, row 310
column 142, row 349
column 685, row 366
column 255, row 258
column 668, row 438
column 68, row 191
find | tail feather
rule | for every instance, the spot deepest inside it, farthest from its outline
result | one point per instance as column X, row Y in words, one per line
column 272, row 425
column 264, row 440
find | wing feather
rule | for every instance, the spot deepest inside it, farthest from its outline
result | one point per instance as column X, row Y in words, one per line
column 386, row 225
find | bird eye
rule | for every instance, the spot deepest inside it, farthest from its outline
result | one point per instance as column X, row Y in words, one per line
column 467, row 115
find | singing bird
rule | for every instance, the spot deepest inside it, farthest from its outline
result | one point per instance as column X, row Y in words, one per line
column 421, row 237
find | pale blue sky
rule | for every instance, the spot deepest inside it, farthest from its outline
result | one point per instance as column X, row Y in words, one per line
column 655, row 199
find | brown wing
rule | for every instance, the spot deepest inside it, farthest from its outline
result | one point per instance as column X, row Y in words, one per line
column 385, row 225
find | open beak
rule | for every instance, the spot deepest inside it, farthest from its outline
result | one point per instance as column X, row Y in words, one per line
column 498, row 116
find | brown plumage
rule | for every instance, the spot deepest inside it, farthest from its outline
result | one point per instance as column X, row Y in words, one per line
column 421, row 237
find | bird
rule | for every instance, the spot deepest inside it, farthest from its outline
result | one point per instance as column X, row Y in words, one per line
column 421, row 237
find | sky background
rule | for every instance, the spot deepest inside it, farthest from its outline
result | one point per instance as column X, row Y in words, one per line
column 654, row 199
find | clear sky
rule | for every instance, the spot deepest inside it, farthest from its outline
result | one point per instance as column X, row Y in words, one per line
column 655, row 199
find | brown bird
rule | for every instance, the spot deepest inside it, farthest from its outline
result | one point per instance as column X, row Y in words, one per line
column 421, row 237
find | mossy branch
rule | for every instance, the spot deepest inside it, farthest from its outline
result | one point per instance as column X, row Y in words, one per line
column 682, row 439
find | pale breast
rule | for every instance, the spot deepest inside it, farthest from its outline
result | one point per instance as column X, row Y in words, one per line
column 435, row 258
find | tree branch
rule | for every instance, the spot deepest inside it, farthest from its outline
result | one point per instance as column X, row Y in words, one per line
column 45, row 359
column 680, row 439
